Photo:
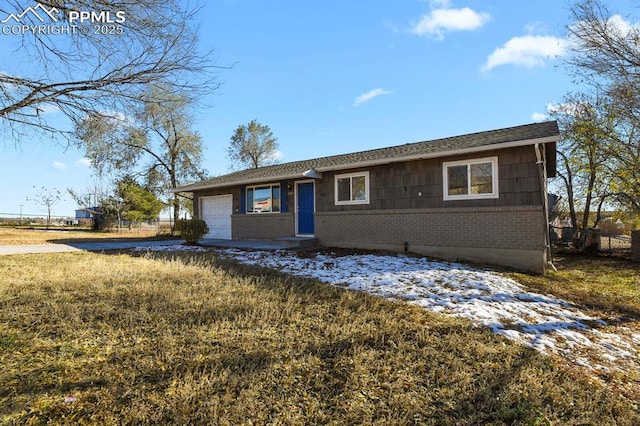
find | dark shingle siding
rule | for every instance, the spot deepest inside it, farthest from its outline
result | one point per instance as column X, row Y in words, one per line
column 473, row 140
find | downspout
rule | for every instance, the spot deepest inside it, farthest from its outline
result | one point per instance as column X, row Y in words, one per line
column 542, row 172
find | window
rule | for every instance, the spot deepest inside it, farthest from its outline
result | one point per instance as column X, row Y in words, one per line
column 263, row 199
column 470, row 179
column 352, row 188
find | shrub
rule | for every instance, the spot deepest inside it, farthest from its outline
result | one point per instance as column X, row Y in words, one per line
column 192, row 230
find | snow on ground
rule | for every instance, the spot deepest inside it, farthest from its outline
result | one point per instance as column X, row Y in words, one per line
column 546, row 323
column 543, row 322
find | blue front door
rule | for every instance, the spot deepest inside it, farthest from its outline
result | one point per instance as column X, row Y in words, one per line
column 305, row 208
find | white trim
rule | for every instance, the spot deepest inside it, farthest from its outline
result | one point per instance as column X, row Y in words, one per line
column 469, row 196
column 295, row 205
column 258, row 186
column 344, row 166
column 351, row 175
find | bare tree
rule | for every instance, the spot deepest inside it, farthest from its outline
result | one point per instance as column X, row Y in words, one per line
column 587, row 125
column 565, row 173
column 93, row 201
column 252, row 146
column 625, row 151
column 155, row 143
column 47, row 198
column 605, row 49
column 606, row 54
column 93, row 68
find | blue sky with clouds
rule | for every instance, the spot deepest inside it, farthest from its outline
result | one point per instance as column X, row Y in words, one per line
column 332, row 77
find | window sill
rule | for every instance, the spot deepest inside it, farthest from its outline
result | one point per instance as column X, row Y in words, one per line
column 351, row 203
column 470, row 197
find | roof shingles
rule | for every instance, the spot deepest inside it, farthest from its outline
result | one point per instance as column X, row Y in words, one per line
column 446, row 146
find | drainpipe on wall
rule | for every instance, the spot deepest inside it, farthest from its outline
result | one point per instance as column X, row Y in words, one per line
column 542, row 172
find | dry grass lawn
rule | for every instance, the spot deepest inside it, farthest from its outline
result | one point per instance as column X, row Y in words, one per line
column 607, row 284
column 21, row 236
column 608, row 287
column 161, row 340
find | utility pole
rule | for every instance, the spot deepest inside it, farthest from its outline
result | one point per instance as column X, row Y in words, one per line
column 21, row 213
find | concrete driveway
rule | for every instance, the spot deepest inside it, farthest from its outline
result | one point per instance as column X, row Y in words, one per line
column 70, row 247
column 277, row 244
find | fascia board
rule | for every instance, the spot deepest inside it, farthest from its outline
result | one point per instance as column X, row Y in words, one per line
column 439, row 154
column 359, row 164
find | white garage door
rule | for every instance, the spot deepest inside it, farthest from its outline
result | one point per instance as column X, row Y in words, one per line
column 216, row 211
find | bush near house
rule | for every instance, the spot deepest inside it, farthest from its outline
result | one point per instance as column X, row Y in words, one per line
column 192, row 230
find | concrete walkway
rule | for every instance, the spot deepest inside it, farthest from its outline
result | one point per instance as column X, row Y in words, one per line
column 276, row 244
column 70, row 247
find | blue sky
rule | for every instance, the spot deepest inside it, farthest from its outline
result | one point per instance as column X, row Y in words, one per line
column 332, row 77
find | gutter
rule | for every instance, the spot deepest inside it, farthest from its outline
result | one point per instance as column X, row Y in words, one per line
column 542, row 172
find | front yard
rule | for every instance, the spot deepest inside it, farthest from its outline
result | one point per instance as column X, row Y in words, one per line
column 605, row 342
column 178, row 338
column 27, row 236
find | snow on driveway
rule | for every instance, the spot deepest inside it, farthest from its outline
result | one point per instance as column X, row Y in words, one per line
column 544, row 322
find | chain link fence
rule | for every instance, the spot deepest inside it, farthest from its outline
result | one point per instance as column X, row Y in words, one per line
column 606, row 243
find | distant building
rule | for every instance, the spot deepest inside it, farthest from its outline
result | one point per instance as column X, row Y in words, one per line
column 87, row 213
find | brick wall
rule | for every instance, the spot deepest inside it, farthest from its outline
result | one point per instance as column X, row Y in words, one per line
column 512, row 236
column 262, row 226
column 635, row 246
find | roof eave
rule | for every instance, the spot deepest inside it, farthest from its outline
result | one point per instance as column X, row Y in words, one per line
column 438, row 154
column 424, row 156
column 195, row 187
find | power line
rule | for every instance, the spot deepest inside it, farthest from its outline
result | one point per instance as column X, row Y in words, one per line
column 27, row 215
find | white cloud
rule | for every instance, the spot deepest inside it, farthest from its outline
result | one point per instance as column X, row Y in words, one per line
column 58, row 165
column 539, row 116
column 527, row 51
column 277, row 155
column 553, row 108
column 535, row 27
column 83, row 162
column 564, row 108
column 534, row 50
column 391, row 26
column 46, row 108
column 443, row 18
column 116, row 118
column 366, row 97
column 623, row 26
column 616, row 27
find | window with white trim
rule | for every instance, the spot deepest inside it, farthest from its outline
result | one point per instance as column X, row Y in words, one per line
column 352, row 188
column 470, row 179
column 263, row 198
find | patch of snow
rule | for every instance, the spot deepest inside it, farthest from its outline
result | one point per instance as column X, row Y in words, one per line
column 543, row 322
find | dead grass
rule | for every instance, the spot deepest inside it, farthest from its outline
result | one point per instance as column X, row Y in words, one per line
column 609, row 287
column 22, row 236
column 138, row 340
column 608, row 284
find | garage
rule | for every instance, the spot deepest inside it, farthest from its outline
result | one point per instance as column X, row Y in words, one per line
column 216, row 212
